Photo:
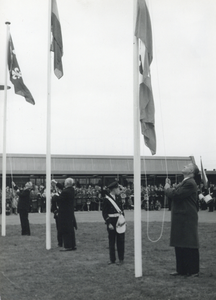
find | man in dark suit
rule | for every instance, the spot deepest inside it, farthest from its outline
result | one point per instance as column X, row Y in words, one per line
column 184, row 223
column 55, row 210
column 110, row 216
column 23, row 206
column 66, row 218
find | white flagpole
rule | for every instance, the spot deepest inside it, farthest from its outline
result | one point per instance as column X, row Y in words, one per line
column 48, row 141
column 4, row 158
column 137, row 160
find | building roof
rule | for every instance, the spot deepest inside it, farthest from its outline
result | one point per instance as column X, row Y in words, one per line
column 32, row 164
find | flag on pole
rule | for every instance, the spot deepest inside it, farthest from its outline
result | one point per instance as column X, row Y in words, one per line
column 143, row 32
column 57, row 44
column 203, row 175
column 16, row 75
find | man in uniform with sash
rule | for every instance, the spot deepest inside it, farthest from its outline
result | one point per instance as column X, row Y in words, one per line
column 111, row 216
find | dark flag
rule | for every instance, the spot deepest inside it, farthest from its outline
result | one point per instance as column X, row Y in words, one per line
column 57, row 44
column 143, row 32
column 16, row 75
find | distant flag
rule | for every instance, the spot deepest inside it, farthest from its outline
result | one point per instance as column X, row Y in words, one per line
column 147, row 110
column 57, row 44
column 203, row 175
column 16, row 75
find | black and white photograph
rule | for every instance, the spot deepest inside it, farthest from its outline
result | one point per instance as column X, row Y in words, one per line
column 107, row 149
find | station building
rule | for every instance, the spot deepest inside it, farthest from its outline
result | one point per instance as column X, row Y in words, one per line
column 92, row 170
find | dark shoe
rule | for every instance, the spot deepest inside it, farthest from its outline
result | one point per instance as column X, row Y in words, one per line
column 111, row 263
column 175, row 274
column 74, row 249
column 66, row 249
column 120, row 263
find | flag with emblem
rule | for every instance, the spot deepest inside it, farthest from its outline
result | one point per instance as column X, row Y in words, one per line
column 143, row 32
column 16, row 75
column 203, row 175
column 57, row 44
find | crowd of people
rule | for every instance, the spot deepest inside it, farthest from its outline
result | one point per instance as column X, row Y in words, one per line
column 184, row 199
column 90, row 198
column 37, row 199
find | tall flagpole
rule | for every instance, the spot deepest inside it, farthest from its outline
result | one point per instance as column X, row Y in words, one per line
column 137, row 160
column 4, row 162
column 48, row 134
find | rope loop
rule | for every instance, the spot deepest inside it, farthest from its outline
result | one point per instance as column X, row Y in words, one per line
column 165, row 156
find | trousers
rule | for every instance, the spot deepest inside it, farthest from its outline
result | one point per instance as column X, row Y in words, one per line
column 119, row 239
column 187, row 260
column 211, row 206
column 68, row 239
column 24, row 222
column 59, row 235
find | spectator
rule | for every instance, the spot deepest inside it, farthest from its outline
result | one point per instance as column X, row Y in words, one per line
column 167, row 200
column 41, row 199
column 15, row 199
column 55, row 210
column 211, row 203
column 34, row 199
column 214, row 196
column 123, row 195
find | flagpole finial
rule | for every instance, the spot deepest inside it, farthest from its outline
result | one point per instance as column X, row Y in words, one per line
column 7, row 23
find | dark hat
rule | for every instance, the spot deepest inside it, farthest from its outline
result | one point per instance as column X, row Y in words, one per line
column 59, row 186
column 113, row 185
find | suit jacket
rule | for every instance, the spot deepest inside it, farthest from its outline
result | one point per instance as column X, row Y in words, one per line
column 184, row 216
column 24, row 200
column 66, row 210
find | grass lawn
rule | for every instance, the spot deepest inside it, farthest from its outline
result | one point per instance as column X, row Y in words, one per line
column 28, row 271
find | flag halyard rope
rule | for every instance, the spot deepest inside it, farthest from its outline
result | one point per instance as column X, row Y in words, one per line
column 165, row 156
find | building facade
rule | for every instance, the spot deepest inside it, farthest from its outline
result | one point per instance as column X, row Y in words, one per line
column 92, row 170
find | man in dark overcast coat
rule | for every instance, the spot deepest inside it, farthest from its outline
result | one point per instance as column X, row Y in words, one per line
column 66, row 218
column 184, row 223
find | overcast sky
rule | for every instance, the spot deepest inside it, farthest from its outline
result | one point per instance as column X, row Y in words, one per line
column 92, row 104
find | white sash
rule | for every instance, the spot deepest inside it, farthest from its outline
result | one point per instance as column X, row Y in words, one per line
column 114, row 204
column 121, row 223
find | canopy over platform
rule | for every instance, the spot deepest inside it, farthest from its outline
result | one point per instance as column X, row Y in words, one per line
column 28, row 164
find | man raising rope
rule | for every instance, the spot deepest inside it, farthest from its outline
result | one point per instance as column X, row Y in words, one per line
column 184, row 223
column 23, row 206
